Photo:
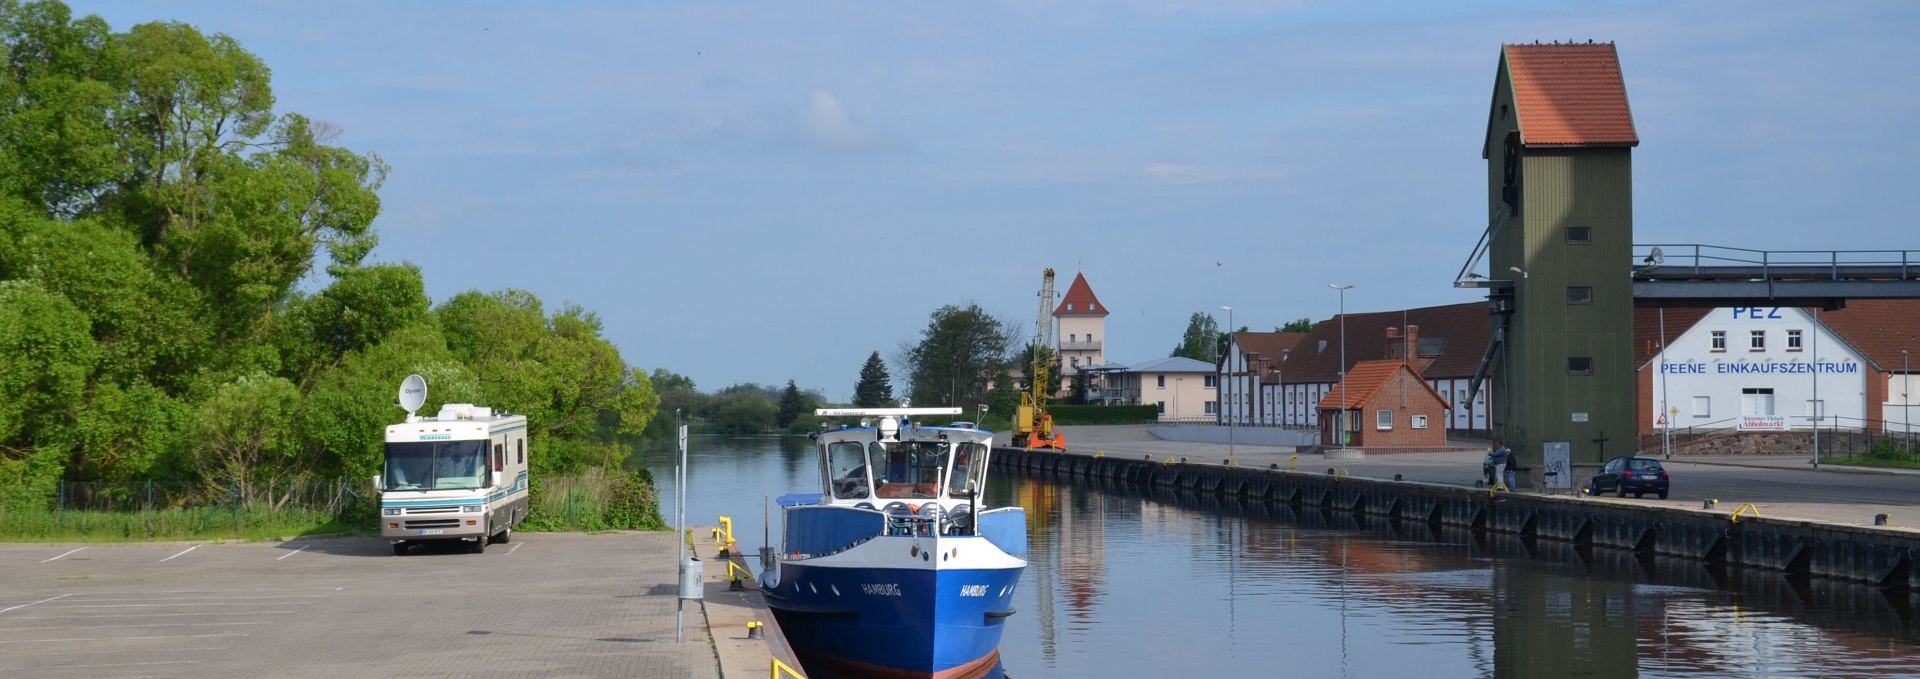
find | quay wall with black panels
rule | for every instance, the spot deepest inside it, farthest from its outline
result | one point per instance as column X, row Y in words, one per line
column 1858, row 554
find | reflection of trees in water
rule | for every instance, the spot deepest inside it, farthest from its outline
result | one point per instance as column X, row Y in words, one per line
column 1550, row 607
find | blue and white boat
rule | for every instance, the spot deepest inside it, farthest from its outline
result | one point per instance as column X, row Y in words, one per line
column 895, row 568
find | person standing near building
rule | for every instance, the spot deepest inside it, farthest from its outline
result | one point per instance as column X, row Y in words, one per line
column 1502, row 461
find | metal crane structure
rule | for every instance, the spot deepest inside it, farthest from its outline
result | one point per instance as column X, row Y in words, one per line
column 1032, row 426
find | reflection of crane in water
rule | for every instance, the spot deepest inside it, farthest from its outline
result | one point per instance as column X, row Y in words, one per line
column 1042, row 501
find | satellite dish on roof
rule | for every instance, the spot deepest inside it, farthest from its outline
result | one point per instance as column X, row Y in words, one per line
column 413, row 393
column 1656, row 257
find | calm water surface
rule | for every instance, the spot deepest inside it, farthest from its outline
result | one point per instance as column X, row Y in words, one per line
column 1126, row 583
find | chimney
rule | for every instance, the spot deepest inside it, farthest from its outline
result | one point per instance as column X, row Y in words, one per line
column 1413, row 342
column 1396, row 350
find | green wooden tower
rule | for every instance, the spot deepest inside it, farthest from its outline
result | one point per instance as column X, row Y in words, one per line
column 1559, row 157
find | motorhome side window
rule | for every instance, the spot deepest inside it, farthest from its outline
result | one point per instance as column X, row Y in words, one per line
column 848, row 460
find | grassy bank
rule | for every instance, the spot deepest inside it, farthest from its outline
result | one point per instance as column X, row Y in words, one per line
column 140, row 511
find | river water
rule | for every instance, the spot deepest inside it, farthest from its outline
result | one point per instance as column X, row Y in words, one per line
column 1126, row 582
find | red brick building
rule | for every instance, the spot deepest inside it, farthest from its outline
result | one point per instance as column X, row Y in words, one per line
column 1388, row 405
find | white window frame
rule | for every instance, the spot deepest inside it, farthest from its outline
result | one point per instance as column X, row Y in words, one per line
column 1419, row 421
column 1757, row 340
column 1212, row 407
column 1793, row 339
column 1383, row 420
column 1719, row 340
column 1702, row 407
column 1160, row 381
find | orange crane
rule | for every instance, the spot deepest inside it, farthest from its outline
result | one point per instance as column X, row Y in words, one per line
column 1032, row 426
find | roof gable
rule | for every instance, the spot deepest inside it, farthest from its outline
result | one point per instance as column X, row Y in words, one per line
column 1080, row 300
column 1367, row 379
column 1568, row 94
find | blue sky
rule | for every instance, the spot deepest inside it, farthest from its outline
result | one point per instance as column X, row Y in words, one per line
column 762, row 192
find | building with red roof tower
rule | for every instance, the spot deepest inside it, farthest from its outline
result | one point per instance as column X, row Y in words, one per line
column 1081, row 323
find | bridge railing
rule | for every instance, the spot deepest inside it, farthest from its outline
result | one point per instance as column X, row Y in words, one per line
column 1697, row 258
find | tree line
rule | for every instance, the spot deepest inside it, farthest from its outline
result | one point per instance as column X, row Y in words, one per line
column 156, row 216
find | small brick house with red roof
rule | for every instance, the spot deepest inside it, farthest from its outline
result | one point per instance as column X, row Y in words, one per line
column 1388, row 405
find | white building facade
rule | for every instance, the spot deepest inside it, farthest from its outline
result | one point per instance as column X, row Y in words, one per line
column 1759, row 368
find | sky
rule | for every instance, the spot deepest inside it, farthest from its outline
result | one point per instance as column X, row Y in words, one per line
column 758, row 192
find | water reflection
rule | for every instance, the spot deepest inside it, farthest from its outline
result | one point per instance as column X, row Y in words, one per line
column 1124, row 582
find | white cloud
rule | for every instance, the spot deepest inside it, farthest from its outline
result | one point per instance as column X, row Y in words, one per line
column 1175, row 174
column 827, row 122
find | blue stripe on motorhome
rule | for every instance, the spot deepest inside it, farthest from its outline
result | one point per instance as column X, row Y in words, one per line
column 508, row 429
column 428, row 503
column 1006, row 528
column 818, row 530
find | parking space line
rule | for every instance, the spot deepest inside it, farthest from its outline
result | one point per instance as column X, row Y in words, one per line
column 57, row 558
column 162, row 624
column 42, row 601
column 516, row 548
column 148, row 615
column 204, row 598
column 170, row 636
column 92, row 651
column 297, row 551
column 189, row 549
column 124, row 664
column 235, row 603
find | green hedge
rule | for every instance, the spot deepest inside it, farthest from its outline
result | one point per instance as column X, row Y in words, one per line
column 1071, row 414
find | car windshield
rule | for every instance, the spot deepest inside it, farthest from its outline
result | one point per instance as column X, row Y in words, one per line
column 907, row 469
column 436, row 465
column 1640, row 464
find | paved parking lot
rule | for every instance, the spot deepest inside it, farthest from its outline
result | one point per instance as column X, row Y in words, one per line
column 546, row 605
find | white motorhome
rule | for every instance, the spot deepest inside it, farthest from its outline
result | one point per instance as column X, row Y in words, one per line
column 460, row 475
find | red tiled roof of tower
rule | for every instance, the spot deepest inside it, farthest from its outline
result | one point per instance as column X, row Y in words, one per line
column 1570, row 95
column 1366, row 378
column 1080, row 300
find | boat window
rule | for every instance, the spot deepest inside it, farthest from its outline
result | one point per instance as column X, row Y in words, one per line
column 911, row 468
column 968, row 464
column 847, row 463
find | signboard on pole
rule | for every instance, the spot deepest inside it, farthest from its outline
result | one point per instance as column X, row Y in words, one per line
column 1763, row 423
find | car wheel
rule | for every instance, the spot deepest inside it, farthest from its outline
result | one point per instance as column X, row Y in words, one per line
column 400, row 548
column 502, row 537
column 1620, row 490
column 1639, row 494
column 1663, row 495
column 480, row 545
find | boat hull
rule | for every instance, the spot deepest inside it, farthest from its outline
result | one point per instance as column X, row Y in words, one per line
column 920, row 620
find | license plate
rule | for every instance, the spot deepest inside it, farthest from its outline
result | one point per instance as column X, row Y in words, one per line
column 432, row 531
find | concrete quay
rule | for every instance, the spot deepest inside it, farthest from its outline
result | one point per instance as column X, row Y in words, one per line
column 1778, row 486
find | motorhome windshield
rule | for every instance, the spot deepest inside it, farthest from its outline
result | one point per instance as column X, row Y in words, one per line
column 436, row 465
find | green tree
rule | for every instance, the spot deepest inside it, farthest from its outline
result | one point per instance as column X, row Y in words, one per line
column 960, row 350
column 243, row 435
column 45, row 356
column 875, row 388
column 1302, row 324
column 743, row 409
column 350, row 404
column 1024, row 363
column 1201, row 341
column 792, row 406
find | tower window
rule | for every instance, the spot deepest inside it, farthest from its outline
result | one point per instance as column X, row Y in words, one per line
column 1579, row 234
column 1579, row 365
column 1579, row 295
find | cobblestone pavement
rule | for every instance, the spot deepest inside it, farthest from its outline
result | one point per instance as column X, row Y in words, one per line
column 545, row 605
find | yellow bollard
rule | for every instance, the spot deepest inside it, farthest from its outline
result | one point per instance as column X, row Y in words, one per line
column 780, row 667
column 724, row 535
column 754, row 631
column 733, row 580
column 1735, row 518
column 1291, row 461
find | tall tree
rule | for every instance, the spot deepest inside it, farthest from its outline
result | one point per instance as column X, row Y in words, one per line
column 792, row 405
column 1302, row 324
column 960, row 351
column 875, row 388
column 1201, row 341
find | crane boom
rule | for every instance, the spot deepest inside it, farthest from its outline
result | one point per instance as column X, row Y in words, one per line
column 1032, row 426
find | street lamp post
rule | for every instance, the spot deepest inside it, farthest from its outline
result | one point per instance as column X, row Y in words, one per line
column 1236, row 388
column 1343, row 360
column 1906, row 401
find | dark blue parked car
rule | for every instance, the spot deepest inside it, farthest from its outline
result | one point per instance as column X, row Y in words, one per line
column 1637, row 475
